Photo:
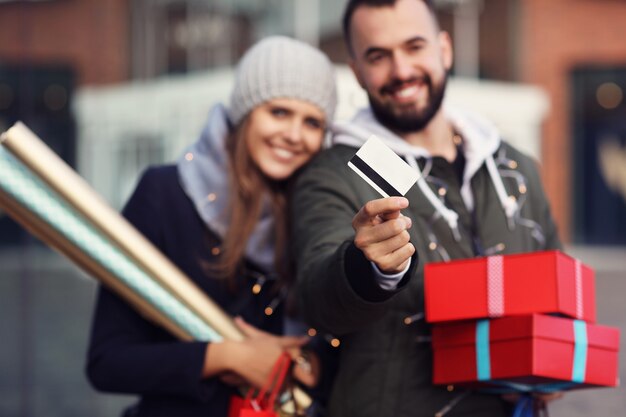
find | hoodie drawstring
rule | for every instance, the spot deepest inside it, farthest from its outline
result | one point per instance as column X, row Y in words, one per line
column 508, row 203
column 450, row 216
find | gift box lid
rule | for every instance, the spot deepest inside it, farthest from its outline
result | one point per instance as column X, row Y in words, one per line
column 539, row 326
column 567, row 286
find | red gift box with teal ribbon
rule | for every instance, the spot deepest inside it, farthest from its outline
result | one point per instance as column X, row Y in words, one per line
column 525, row 353
column 509, row 285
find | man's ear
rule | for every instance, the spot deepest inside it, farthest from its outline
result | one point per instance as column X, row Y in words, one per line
column 355, row 71
column 445, row 45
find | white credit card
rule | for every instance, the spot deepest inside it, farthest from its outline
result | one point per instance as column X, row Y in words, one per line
column 377, row 164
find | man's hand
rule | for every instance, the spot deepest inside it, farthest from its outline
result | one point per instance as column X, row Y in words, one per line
column 381, row 233
column 542, row 398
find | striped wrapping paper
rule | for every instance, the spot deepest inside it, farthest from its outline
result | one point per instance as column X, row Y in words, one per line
column 35, row 200
column 69, row 186
column 44, row 194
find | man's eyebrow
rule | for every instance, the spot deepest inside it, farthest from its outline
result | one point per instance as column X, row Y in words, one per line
column 375, row 49
column 416, row 39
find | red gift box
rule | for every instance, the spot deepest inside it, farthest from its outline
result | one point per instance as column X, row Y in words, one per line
column 506, row 285
column 536, row 352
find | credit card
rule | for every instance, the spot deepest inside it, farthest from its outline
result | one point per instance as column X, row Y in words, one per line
column 383, row 169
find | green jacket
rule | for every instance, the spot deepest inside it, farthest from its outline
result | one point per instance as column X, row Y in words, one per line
column 385, row 365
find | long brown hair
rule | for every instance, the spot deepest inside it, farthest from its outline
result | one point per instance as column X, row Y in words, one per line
column 249, row 187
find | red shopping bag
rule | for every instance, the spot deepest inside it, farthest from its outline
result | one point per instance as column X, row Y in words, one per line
column 263, row 403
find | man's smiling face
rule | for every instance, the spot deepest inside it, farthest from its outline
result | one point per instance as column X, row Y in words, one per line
column 401, row 59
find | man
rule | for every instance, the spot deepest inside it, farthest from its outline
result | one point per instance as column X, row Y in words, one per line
column 358, row 276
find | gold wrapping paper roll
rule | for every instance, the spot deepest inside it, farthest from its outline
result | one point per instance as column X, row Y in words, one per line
column 34, row 154
column 54, row 239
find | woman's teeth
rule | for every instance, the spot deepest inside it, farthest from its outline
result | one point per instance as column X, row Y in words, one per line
column 283, row 153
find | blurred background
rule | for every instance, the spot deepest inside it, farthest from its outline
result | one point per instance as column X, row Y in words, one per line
column 116, row 85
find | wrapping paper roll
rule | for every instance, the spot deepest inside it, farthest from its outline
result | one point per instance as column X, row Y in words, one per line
column 47, row 234
column 40, row 191
column 31, row 203
column 52, row 170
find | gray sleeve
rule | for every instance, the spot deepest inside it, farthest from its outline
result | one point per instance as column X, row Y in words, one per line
column 336, row 287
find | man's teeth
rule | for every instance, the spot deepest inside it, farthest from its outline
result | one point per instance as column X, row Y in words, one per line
column 406, row 92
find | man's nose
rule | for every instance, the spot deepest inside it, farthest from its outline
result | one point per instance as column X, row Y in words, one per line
column 402, row 67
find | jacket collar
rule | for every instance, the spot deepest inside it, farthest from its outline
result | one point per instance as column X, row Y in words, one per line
column 481, row 138
column 480, row 141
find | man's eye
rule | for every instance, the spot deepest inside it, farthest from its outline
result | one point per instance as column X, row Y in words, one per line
column 374, row 58
column 416, row 47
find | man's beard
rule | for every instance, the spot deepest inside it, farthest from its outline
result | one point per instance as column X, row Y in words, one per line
column 411, row 120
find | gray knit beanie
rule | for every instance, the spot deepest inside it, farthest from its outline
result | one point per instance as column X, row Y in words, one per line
column 281, row 67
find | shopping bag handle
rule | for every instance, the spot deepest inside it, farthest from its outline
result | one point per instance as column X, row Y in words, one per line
column 273, row 384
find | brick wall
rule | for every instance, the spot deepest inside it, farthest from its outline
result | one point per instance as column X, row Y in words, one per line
column 92, row 36
column 557, row 36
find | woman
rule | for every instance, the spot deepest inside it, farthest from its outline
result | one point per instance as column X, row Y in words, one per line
column 220, row 215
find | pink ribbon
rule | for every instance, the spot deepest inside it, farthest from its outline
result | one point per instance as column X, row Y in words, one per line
column 495, row 286
column 578, row 274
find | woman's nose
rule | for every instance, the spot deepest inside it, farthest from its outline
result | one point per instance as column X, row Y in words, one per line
column 293, row 131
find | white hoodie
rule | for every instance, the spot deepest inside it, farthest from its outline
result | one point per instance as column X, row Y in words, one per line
column 481, row 141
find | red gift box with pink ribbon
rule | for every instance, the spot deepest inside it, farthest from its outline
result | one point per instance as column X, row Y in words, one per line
column 510, row 285
column 537, row 352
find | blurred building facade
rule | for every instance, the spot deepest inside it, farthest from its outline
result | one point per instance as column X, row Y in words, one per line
column 573, row 49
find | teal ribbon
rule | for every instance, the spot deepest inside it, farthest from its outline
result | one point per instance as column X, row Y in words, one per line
column 30, row 192
column 580, row 351
column 483, row 358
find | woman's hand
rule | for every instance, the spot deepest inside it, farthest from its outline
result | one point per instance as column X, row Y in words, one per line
column 252, row 359
column 307, row 367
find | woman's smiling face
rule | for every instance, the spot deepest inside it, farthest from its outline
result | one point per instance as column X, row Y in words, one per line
column 283, row 134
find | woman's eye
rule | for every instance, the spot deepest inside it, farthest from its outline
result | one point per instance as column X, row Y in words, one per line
column 314, row 123
column 278, row 112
